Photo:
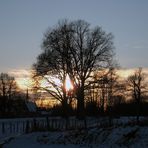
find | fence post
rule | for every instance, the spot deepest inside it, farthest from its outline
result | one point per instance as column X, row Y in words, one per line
column 10, row 126
column 13, row 127
column 27, row 127
column 85, row 123
column 23, row 122
column 52, row 123
column 47, row 120
column 17, row 126
column 67, row 123
column 34, row 125
column 3, row 127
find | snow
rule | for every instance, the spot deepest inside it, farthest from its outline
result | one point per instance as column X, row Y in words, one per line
column 37, row 140
column 133, row 137
column 16, row 126
column 121, row 134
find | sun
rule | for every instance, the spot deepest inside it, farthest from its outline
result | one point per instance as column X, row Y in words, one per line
column 68, row 83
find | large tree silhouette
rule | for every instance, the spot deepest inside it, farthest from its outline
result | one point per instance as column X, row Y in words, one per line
column 75, row 49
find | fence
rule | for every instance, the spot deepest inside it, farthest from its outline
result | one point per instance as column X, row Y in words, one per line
column 11, row 127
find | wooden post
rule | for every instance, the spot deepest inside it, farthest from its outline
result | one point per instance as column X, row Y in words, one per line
column 23, row 126
column 34, row 125
column 17, row 126
column 10, row 126
column 27, row 127
column 47, row 121
column 85, row 123
column 3, row 127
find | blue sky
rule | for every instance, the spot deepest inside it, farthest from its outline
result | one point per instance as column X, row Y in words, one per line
column 23, row 22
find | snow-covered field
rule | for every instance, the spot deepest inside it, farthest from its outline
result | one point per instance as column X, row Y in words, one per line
column 133, row 137
column 121, row 134
column 12, row 127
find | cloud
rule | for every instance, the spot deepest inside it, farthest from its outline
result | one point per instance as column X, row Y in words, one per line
column 124, row 73
column 20, row 73
column 22, row 77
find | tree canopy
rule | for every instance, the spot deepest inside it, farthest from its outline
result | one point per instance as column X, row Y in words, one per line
column 76, row 49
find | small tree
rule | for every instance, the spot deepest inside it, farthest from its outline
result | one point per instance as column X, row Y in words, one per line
column 108, row 86
column 137, row 86
column 8, row 85
column 8, row 89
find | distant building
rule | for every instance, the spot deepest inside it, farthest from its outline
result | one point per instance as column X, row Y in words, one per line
column 31, row 106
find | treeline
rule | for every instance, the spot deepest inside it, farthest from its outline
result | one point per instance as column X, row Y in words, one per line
column 92, row 109
column 114, row 95
column 12, row 100
column 111, row 95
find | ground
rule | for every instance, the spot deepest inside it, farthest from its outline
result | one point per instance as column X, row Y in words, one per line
column 121, row 136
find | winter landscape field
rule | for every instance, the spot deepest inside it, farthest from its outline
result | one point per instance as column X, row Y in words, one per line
column 123, row 133
column 73, row 73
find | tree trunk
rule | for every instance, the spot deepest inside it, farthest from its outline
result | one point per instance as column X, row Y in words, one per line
column 65, row 108
column 138, row 111
column 80, row 103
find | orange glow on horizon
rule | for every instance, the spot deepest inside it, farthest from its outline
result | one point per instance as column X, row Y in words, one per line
column 23, row 78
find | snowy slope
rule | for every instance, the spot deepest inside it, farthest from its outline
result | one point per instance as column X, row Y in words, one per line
column 123, row 136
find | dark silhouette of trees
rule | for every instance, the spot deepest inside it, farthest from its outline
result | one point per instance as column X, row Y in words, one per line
column 137, row 86
column 52, row 64
column 75, row 49
column 92, row 52
column 12, row 99
column 8, row 85
column 8, row 89
column 115, row 88
column 107, row 88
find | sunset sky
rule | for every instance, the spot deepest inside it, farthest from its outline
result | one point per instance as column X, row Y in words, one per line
column 23, row 22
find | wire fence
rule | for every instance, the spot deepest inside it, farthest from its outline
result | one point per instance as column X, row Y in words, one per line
column 11, row 127
column 20, row 126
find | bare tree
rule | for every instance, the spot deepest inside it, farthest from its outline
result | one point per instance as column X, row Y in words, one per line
column 92, row 51
column 109, row 86
column 52, row 64
column 8, row 85
column 75, row 49
column 137, row 86
column 8, row 89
